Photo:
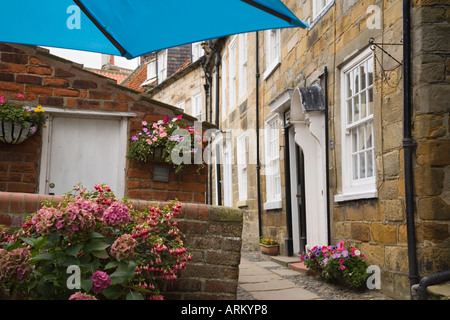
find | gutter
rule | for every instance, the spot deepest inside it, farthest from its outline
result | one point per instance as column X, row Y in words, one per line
column 409, row 145
column 324, row 75
column 217, row 62
column 258, row 165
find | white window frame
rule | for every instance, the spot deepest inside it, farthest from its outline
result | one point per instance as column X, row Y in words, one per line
column 197, row 51
column 162, row 65
column 227, row 174
column 232, row 74
column 197, row 106
column 241, row 155
column 224, row 87
column 151, row 73
column 242, row 65
column 365, row 187
column 272, row 40
column 320, row 7
column 272, row 163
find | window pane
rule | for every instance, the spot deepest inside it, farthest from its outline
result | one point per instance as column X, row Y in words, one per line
column 356, row 80
column 355, row 166
column 349, row 85
column 361, row 138
column 349, row 111
column 370, row 72
column 370, row 161
column 356, row 108
column 362, row 71
column 354, row 141
column 363, row 104
column 369, row 130
column 362, row 165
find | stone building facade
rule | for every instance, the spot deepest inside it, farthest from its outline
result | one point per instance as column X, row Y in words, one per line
column 341, row 158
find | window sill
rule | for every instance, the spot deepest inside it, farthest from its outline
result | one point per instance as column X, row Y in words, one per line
column 273, row 205
column 271, row 68
column 355, row 196
column 242, row 203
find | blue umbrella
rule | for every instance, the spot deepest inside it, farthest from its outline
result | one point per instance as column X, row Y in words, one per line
column 131, row 28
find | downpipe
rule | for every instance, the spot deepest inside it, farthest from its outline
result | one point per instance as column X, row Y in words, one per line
column 419, row 291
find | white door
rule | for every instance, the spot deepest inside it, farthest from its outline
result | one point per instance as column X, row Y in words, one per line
column 227, row 177
column 87, row 151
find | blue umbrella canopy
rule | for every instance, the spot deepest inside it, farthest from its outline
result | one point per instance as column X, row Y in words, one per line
column 131, row 28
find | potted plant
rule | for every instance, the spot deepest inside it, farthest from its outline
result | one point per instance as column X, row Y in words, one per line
column 341, row 264
column 169, row 140
column 18, row 123
column 269, row 246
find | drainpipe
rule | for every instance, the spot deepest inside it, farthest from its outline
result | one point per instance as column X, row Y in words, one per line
column 289, row 243
column 421, row 289
column 408, row 144
column 324, row 76
column 258, row 165
column 217, row 90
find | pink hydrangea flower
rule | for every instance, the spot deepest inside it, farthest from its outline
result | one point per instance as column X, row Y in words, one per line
column 123, row 247
column 117, row 213
column 100, row 281
column 81, row 296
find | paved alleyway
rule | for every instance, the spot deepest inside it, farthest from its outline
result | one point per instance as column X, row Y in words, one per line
column 260, row 278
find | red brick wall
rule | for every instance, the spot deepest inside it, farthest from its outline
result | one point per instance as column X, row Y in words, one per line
column 54, row 82
column 213, row 237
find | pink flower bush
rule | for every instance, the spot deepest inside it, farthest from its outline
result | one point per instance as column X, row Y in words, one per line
column 123, row 247
column 118, row 213
column 81, row 296
column 77, row 216
column 100, row 281
column 143, row 250
column 14, row 264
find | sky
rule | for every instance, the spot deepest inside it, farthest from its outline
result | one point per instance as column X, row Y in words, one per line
column 91, row 59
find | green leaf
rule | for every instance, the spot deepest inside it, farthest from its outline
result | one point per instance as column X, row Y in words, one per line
column 112, row 292
column 100, row 254
column 111, row 264
column 43, row 256
column 132, row 295
column 96, row 246
column 74, row 249
column 86, row 284
column 29, row 241
column 96, row 235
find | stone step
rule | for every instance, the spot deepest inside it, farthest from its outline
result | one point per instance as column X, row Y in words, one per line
column 439, row 291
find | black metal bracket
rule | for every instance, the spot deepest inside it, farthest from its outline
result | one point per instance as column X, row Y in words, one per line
column 373, row 44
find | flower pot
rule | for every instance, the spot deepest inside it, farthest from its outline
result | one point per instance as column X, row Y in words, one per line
column 15, row 133
column 271, row 250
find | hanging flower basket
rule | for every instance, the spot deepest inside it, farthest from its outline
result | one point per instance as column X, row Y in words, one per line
column 18, row 123
column 15, row 133
column 159, row 141
column 156, row 154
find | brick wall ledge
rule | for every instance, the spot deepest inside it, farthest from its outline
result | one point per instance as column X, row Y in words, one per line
column 213, row 237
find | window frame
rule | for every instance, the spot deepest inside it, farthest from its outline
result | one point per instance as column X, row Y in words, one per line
column 242, row 65
column 232, row 74
column 272, row 164
column 197, row 106
column 241, row 155
column 360, row 188
column 272, row 49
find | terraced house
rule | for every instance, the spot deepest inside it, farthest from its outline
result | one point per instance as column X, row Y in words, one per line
column 333, row 133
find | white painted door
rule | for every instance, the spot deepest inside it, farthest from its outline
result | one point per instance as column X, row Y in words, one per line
column 87, row 151
column 227, row 177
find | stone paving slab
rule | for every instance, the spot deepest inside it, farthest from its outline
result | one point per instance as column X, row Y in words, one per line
column 264, row 281
column 287, row 294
